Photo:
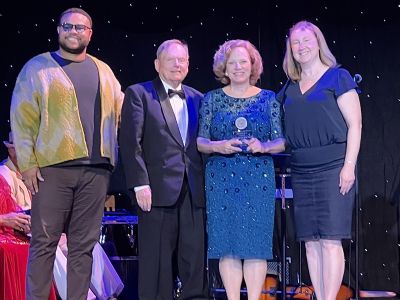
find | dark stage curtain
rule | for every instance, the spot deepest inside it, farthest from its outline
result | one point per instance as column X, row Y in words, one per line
column 362, row 35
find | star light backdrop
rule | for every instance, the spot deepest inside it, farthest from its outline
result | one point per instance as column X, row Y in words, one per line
column 363, row 37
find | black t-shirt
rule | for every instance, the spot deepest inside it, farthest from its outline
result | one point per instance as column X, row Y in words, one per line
column 85, row 79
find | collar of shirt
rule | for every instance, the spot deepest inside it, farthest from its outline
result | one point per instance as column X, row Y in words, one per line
column 167, row 86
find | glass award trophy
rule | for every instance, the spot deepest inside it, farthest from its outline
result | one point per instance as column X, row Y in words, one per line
column 243, row 130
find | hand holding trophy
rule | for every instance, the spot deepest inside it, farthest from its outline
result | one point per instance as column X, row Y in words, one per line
column 243, row 131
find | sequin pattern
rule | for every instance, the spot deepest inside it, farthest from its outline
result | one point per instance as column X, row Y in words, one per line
column 240, row 188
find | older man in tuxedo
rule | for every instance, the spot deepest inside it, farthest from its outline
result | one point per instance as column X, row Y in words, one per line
column 159, row 123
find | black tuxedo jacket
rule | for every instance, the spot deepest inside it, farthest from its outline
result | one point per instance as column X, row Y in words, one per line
column 151, row 146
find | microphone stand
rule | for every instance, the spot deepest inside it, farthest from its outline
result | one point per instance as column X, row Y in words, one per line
column 283, row 229
column 357, row 209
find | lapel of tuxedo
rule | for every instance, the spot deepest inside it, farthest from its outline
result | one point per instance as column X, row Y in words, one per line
column 167, row 111
column 192, row 117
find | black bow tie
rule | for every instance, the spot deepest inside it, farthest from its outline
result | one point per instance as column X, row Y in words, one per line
column 172, row 93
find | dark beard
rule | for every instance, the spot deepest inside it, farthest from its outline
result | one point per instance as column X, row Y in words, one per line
column 78, row 50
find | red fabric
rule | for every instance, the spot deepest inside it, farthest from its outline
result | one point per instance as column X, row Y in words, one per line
column 13, row 259
column 13, row 262
column 14, row 251
column 7, row 204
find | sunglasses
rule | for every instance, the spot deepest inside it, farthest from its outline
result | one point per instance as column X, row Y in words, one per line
column 79, row 28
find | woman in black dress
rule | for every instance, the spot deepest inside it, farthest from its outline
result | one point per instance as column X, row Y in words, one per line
column 323, row 128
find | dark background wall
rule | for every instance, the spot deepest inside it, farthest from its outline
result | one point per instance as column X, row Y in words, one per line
column 364, row 37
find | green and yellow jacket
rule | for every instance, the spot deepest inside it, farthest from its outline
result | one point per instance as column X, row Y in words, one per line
column 45, row 118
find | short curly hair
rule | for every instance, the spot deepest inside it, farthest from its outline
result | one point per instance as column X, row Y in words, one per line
column 75, row 10
column 222, row 55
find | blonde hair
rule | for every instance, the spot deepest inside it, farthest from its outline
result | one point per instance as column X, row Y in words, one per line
column 291, row 67
column 222, row 55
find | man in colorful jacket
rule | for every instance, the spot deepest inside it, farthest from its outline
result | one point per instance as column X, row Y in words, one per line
column 64, row 116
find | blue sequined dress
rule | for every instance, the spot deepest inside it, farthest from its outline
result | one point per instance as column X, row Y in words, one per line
column 240, row 188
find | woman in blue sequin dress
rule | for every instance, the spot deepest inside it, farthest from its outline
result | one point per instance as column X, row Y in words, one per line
column 239, row 127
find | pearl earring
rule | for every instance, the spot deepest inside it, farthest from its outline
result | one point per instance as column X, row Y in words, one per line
column 226, row 74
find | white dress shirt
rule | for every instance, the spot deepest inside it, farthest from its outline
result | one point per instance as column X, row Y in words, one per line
column 179, row 107
column 180, row 110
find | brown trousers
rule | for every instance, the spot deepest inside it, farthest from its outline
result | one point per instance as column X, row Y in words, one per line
column 70, row 200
